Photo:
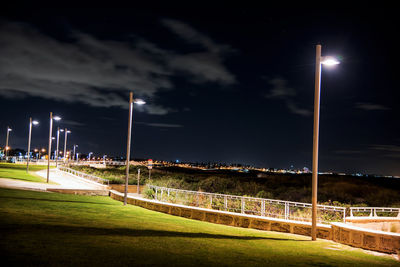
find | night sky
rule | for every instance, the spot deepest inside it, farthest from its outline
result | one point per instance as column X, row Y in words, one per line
column 222, row 84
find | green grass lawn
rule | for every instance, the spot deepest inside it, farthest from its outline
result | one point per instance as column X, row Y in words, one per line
column 54, row 229
column 18, row 171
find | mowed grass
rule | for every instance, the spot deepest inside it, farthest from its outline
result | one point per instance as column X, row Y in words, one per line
column 54, row 229
column 18, row 171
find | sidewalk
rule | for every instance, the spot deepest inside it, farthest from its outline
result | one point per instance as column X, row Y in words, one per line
column 63, row 180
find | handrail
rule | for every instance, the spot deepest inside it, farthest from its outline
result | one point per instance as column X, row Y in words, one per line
column 373, row 211
column 83, row 162
column 84, row 175
column 250, row 205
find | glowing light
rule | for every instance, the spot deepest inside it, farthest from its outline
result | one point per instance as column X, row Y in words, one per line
column 57, row 118
column 139, row 102
column 329, row 61
column 35, row 122
column 9, row 129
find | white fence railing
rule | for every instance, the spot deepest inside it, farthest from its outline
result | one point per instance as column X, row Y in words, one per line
column 92, row 162
column 374, row 212
column 84, row 175
column 248, row 205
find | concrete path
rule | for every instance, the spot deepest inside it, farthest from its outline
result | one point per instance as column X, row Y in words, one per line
column 63, row 180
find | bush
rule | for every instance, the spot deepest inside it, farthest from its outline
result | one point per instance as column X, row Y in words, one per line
column 149, row 193
column 263, row 194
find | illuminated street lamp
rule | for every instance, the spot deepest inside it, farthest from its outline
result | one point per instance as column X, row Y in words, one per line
column 31, row 122
column 329, row 61
column 56, row 118
column 73, row 156
column 128, row 145
column 7, row 147
column 66, row 132
column 58, row 141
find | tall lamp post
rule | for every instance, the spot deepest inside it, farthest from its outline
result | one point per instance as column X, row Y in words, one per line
column 58, row 141
column 318, row 62
column 66, row 132
column 128, row 145
column 8, row 135
column 56, row 118
column 73, row 156
column 31, row 122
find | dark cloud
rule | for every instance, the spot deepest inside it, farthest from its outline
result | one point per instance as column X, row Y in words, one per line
column 100, row 72
column 370, row 106
column 280, row 90
column 73, row 123
column 191, row 35
column 296, row 110
column 162, row 125
column 348, row 152
column 204, row 65
column 387, row 148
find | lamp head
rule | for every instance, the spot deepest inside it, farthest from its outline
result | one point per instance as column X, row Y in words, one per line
column 35, row 122
column 56, row 118
column 329, row 61
column 139, row 101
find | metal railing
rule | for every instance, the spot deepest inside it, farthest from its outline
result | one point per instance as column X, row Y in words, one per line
column 84, row 162
column 249, row 205
column 84, row 175
column 374, row 212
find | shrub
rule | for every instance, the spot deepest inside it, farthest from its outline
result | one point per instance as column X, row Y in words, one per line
column 149, row 193
column 263, row 194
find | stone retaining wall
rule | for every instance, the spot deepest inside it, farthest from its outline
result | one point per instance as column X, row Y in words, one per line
column 228, row 218
column 372, row 219
column 121, row 188
column 80, row 191
column 366, row 238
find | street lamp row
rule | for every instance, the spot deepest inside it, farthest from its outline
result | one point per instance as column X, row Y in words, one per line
column 34, row 123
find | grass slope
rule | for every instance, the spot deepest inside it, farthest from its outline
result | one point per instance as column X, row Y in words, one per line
column 53, row 229
column 18, row 171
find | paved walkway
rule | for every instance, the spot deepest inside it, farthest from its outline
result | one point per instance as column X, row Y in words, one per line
column 63, row 180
